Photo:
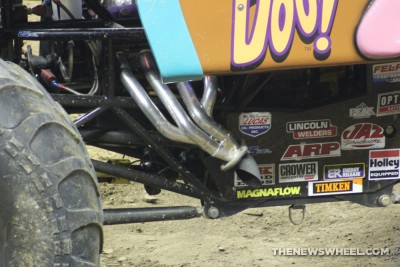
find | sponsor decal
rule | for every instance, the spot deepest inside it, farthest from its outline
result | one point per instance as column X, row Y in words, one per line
column 386, row 73
column 344, row 171
column 388, row 104
column 384, row 164
column 270, row 26
column 311, row 129
column 255, row 123
column 298, row 172
column 335, row 187
column 363, row 136
column 257, row 150
column 267, row 172
column 269, row 192
column 316, row 150
column 362, row 111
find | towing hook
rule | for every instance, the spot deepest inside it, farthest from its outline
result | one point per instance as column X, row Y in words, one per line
column 301, row 207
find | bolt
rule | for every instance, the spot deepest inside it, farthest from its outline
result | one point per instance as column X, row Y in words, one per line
column 384, row 200
column 240, row 7
column 213, row 212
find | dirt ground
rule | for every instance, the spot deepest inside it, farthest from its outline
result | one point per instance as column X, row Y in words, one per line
column 248, row 238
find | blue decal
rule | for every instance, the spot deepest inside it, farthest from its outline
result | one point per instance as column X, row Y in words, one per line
column 344, row 171
column 255, row 123
column 170, row 40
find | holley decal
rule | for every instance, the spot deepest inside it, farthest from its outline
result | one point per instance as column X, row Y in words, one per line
column 363, row 136
column 255, row 123
column 384, row 164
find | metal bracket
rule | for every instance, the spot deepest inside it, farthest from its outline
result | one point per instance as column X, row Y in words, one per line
column 297, row 207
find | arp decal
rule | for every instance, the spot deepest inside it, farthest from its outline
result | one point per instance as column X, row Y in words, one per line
column 267, row 177
column 255, row 123
column 274, row 25
column 308, row 151
column 335, row 187
column 311, row 129
column 384, row 164
column 298, row 172
column 362, row 111
column 344, row 171
column 363, row 136
column 388, row 104
column 269, row 192
column 386, row 73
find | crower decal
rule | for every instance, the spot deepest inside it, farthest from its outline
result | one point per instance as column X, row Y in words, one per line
column 272, row 24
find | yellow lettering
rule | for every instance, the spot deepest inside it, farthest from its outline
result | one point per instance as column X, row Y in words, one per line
column 307, row 22
column 282, row 26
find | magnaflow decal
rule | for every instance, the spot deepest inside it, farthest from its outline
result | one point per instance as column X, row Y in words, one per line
column 362, row 111
column 388, row 104
column 363, row 136
column 384, row 164
column 344, row 171
column 272, row 192
column 311, row 129
column 298, row 172
column 255, row 123
column 274, row 26
column 335, row 187
column 267, row 172
column 311, row 151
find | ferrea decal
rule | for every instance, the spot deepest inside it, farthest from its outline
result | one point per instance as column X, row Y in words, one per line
column 344, row 171
column 255, row 123
column 384, row 164
column 269, row 192
column 388, row 104
column 311, row 129
column 363, row 136
column 267, row 172
column 298, row 172
column 262, row 24
column 316, row 150
column 335, row 187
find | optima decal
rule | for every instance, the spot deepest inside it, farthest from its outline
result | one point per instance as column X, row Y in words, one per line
column 335, row 187
column 274, row 25
column 298, row 172
column 255, row 123
column 363, row 136
column 344, row 171
column 307, row 151
column 388, row 104
column 311, row 129
column 384, row 164
column 269, row 192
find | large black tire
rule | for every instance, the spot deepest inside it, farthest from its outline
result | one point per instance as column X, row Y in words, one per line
column 50, row 208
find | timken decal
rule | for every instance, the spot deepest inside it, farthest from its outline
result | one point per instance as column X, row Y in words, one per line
column 335, row 187
column 273, row 26
column 388, row 104
column 298, row 172
column 307, row 151
column 269, row 192
column 384, row 164
column 363, row 136
column 344, row 171
column 311, row 129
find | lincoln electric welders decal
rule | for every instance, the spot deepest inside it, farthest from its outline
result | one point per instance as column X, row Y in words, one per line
column 255, row 123
column 384, row 164
column 363, row 136
column 344, row 171
column 388, row 104
column 311, row 129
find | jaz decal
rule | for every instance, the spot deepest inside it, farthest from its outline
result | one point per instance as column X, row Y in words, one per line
column 262, row 24
column 255, row 123
column 267, row 172
column 384, row 164
column 269, row 192
column 311, row 129
column 308, row 151
column 335, row 187
column 298, row 172
column 363, row 136
column 344, row 171
column 388, row 104
column 362, row 111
